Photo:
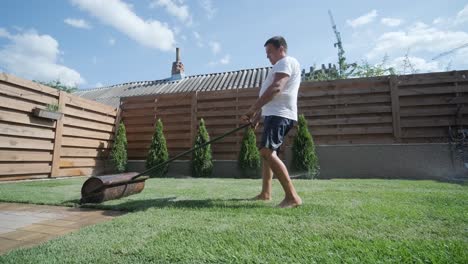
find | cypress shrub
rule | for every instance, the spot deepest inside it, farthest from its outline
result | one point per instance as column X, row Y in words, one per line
column 304, row 158
column 119, row 150
column 158, row 153
column 202, row 160
column 249, row 156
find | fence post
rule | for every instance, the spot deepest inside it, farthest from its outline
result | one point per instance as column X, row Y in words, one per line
column 193, row 121
column 393, row 81
column 58, row 136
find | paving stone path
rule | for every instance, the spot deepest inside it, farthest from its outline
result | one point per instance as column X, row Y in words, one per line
column 27, row 225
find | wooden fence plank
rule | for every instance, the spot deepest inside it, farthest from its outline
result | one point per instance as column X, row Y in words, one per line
column 395, row 107
column 26, row 94
column 432, row 122
column 361, row 99
column 83, row 103
column 89, row 115
column 353, row 130
column 411, row 91
column 18, row 155
column 25, row 131
column 23, row 177
column 7, row 78
column 81, row 162
column 433, row 100
column 430, row 110
column 23, row 168
column 351, row 121
column 82, row 152
column 76, row 122
column 17, row 104
column 194, row 118
column 25, row 143
column 349, row 111
column 58, row 136
column 25, row 118
column 85, row 143
column 84, row 133
column 82, row 171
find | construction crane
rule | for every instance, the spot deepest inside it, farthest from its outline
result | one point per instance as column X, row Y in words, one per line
column 450, row 51
column 341, row 58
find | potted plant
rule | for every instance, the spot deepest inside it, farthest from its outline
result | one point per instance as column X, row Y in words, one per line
column 50, row 112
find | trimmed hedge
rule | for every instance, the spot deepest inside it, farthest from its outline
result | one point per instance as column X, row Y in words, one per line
column 202, row 159
column 118, row 153
column 249, row 156
column 304, row 158
column 158, row 153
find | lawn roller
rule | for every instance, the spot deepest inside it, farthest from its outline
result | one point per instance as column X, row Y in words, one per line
column 98, row 189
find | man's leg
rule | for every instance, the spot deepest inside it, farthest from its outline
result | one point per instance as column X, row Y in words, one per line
column 291, row 198
column 267, row 176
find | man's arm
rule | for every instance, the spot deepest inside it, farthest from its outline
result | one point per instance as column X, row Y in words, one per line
column 278, row 84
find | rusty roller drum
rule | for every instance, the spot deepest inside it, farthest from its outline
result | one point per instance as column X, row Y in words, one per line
column 98, row 189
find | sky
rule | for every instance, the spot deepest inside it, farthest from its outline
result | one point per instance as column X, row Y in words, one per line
column 96, row 43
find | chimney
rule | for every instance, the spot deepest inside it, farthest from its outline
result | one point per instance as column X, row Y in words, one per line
column 177, row 68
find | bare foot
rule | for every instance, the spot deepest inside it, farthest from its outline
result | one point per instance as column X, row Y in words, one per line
column 262, row 197
column 290, row 203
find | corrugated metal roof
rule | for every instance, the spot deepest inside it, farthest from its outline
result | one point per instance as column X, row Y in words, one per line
column 248, row 78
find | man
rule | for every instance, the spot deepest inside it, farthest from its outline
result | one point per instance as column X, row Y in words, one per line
column 277, row 103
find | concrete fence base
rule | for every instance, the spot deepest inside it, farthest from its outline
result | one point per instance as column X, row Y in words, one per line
column 389, row 161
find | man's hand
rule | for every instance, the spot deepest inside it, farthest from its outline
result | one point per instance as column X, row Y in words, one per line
column 252, row 116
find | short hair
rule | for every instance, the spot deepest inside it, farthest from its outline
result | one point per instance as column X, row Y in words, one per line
column 277, row 41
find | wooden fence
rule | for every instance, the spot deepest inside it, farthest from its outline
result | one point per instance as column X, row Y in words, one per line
column 35, row 147
column 383, row 110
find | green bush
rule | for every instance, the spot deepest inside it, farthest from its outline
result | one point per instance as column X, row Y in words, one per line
column 158, row 153
column 119, row 149
column 202, row 161
column 304, row 158
column 249, row 156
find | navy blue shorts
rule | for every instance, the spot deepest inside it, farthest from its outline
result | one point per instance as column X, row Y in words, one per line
column 275, row 129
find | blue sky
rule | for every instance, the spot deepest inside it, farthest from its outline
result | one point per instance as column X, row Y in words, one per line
column 93, row 43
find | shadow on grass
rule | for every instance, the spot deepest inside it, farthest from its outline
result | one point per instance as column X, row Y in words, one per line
column 172, row 202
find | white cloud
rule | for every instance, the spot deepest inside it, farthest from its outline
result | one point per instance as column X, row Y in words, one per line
column 406, row 65
column 181, row 11
column 78, row 23
column 149, row 33
column 112, row 41
column 362, row 20
column 462, row 16
column 391, row 22
column 418, row 38
column 207, row 5
column 98, row 85
column 215, row 47
column 4, row 33
column 199, row 39
column 225, row 60
column 35, row 57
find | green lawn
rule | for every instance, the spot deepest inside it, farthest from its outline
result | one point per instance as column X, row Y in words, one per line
column 211, row 221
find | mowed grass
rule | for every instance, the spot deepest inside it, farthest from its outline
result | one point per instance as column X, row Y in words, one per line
column 212, row 221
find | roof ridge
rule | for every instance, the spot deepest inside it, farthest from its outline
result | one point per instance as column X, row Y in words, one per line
column 140, row 83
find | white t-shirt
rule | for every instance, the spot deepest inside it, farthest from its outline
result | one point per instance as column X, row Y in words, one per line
column 285, row 103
